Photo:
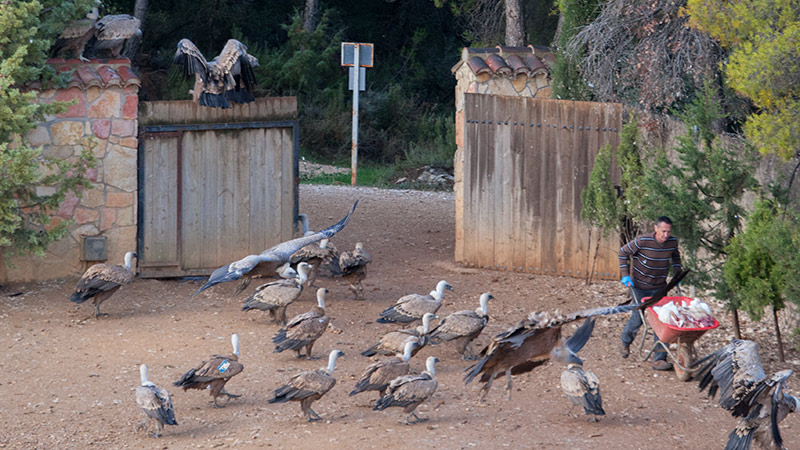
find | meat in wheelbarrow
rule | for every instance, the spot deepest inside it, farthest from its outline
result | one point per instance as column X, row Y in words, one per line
column 696, row 314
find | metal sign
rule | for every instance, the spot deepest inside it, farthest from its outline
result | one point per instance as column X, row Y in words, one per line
column 362, row 77
column 364, row 54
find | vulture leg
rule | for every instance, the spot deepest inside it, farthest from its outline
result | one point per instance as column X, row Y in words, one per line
column 312, row 275
column 222, row 404
column 281, row 314
column 159, row 429
column 417, row 418
column 142, row 425
column 97, row 313
column 298, row 355
column 468, row 354
column 272, row 315
column 486, row 388
column 308, row 351
column 569, row 411
column 508, row 384
column 310, row 414
column 229, row 394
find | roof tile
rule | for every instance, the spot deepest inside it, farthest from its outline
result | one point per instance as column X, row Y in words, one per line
column 530, row 61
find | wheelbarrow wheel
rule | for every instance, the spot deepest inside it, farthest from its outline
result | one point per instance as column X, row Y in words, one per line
column 685, row 360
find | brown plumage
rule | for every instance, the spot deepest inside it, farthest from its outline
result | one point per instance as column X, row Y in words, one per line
column 463, row 327
column 583, row 389
column 155, row 403
column 537, row 338
column 409, row 391
column 227, row 77
column 72, row 41
column 412, row 307
column 308, row 387
column 111, row 33
column 276, row 296
column 214, row 373
column 101, row 281
column 352, row 268
column 758, row 401
column 379, row 374
column 394, row 342
column 304, row 329
column 316, row 255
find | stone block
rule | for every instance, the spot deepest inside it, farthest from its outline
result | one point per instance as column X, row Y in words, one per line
column 130, row 109
column 126, row 216
column 58, row 151
column 119, row 167
column 67, row 208
column 107, row 218
column 92, row 93
column 99, row 149
column 67, row 132
column 119, row 199
column 129, row 142
column 45, row 190
column 91, row 174
column 123, row 127
column 86, row 215
column 101, row 128
column 78, row 232
column 39, row 136
column 460, row 129
column 54, row 222
column 92, row 198
column 76, row 94
column 107, row 106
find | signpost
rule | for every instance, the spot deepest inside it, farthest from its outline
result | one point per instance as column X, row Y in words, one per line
column 357, row 56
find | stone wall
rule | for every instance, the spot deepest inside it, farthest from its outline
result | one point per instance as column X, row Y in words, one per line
column 104, row 118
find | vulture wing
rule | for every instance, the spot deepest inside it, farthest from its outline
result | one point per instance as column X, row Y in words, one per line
column 156, row 403
column 189, row 58
column 100, row 278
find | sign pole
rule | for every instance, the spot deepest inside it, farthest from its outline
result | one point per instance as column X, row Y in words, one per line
column 354, row 149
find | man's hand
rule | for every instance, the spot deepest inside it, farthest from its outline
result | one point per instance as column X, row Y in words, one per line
column 626, row 281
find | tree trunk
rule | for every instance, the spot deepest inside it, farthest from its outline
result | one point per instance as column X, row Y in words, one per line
column 778, row 335
column 132, row 44
column 310, row 16
column 737, row 333
column 140, row 10
column 515, row 24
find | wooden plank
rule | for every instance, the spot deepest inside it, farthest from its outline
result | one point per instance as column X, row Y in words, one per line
column 193, row 180
column 532, row 187
column 551, row 191
column 257, row 171
column 273, row 188
column 501, row 205
column 583, row 153
column 160, row 201
column 517, row 175
column 486, row 164
column 287, row 183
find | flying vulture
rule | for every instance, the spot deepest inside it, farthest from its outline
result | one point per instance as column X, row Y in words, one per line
column 759, row 402
column 537, row 338
column 266, row 262
column 308, row 387
column 463, row 327
column 214, row 373
column 409, row 391
column 304, row 329
column 412, row 307
column 583, row 389
column 155, row 404
column 101, row 281
column 227, row 77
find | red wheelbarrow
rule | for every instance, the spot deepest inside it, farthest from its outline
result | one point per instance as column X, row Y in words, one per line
column 671, row 334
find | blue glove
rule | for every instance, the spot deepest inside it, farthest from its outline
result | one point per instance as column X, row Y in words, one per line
column 626, row 281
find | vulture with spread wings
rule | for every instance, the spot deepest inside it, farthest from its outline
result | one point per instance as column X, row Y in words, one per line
column 758, row 401
column 229, row 77
column 537, row 338
column 266, row 262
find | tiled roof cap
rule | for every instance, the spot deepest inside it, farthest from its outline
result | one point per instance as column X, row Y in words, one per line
column 529, row 61
column 95, row 73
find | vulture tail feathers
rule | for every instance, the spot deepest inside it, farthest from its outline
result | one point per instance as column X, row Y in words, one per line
column 738, row 441
column 473, row 370
column 239, row 96
column 186, row 379
column 214, row 100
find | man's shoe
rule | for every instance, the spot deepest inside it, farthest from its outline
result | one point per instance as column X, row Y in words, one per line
column 662, row 365
column 624, row 350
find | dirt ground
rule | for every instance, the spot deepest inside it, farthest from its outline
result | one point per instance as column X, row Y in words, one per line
column 68, row 382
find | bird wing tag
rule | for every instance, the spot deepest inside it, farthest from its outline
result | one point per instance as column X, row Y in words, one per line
column 224, row 366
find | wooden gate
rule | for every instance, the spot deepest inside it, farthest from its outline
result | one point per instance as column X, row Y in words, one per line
column 525, row 163
column 214, row 185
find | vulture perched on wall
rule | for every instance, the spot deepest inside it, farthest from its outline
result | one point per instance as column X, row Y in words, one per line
column 409, row 391
column 378, row 375
column 412, row 307
column 463, row 327
column 275, row 297
column 583, row 389
column 352, row 268
column 759, row 402
column 103, row 38
column 214, row 373
column 394, row 342
column 304, row 329
column 308, row 387
column 537, row 338
column 101, row 281
column 155, row 403
column 229, row 77
column 72, row 41
column 266, row 262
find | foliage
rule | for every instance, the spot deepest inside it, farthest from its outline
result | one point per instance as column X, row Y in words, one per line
column 641, row 53
column 598, row 200
column 32, row 185
column 701, row 194
column 764, row 65
column 568, row 83
column 763, row 265
column 483, row 21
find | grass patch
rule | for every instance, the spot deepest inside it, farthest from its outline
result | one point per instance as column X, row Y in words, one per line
column 367, row 176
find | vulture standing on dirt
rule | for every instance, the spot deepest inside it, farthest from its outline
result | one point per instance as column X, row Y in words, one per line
column 213, row 373
column 537, row 338
column 583, row 389
column 155, row 404
column 379, row 374
column 304, row 329
column 759, row 402
column 276, row 296
column 412, row 307
column 101, row 281
column 308, row 387
column 394, row 342
column 352, row 268
column 409, row 391
column 227, row 77
column 266, row 262
column 464, row 327
column 315, row 255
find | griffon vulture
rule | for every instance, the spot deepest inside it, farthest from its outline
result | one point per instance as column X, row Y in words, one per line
column 214, row 373
column 308, row 387
column 463, row 327
column 412, row 307
column 409, row 391
column 155, row 403
column 101, row 281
